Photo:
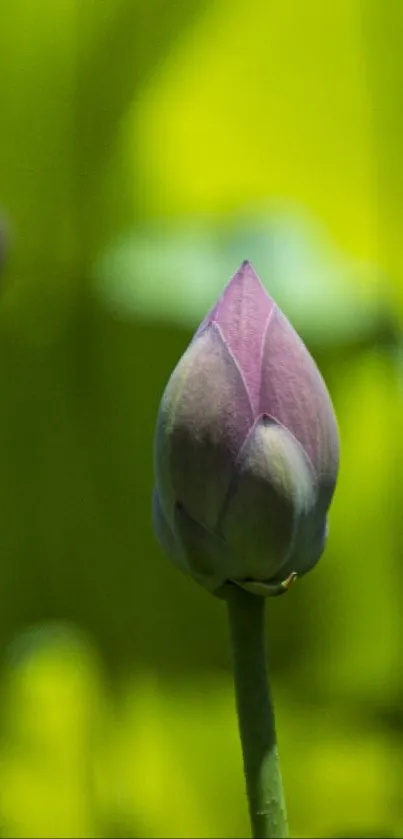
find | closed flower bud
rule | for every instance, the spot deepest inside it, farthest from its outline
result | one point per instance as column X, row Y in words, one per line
column 246, row 448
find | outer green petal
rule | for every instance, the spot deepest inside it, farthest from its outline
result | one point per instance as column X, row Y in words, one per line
column 309, row 543
column 273, row 492
column 164, row 532
column 206, row 557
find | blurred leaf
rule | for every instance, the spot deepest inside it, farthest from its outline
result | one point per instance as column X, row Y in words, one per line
column 264, row 100
column 382, row 28
column 357, row 599
column 53, row 712
column 176, row 273
column 169, row 762
column 68, row 73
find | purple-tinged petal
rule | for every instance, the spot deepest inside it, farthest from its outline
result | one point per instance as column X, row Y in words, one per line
column 273, row 490
column 242, row 313
column 204, row 418
column 294, row 393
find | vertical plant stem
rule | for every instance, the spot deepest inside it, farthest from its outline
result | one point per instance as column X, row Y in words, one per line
column 256, row 715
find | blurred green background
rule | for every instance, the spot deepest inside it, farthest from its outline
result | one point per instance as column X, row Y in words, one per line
column 146, row 148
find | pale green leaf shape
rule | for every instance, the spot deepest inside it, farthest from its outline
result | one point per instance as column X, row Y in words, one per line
column 175, row 273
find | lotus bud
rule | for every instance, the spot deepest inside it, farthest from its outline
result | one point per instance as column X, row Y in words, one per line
column 246, row 449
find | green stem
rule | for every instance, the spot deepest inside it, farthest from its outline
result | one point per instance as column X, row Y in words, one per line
column 256, row 715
